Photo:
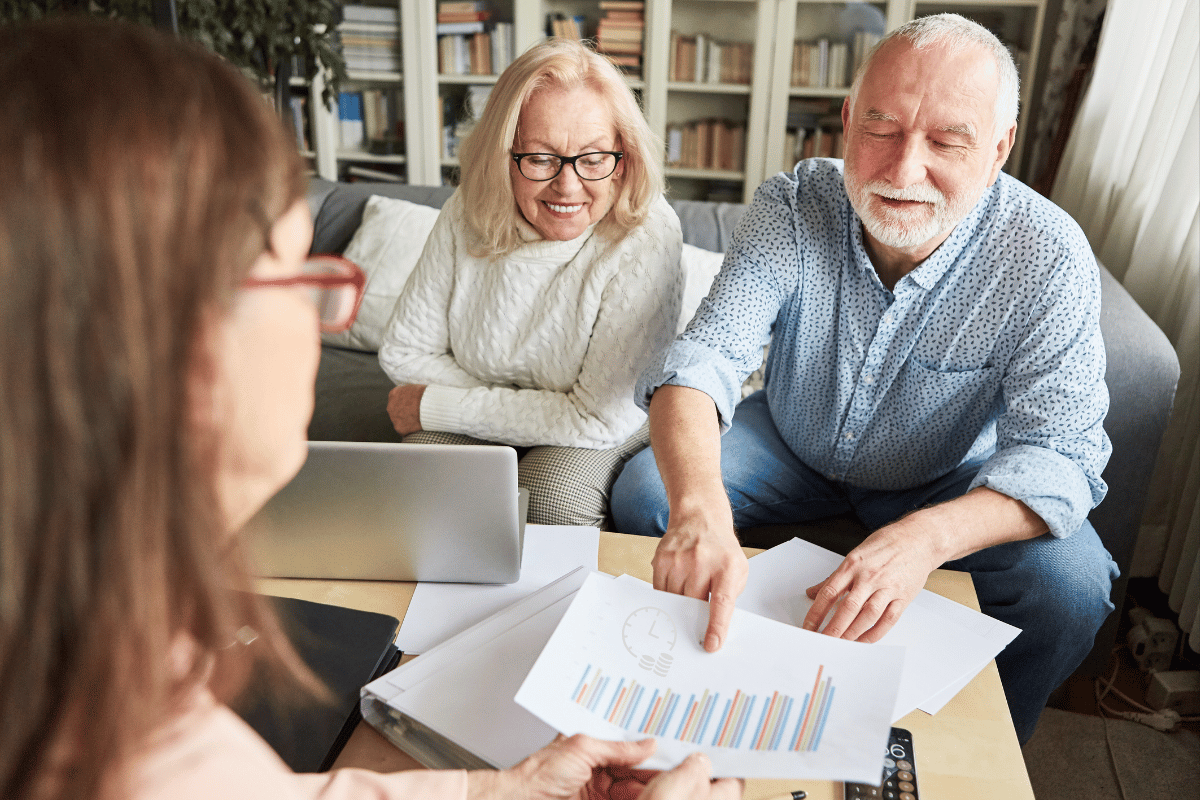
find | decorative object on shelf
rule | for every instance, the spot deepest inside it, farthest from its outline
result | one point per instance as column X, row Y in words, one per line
column 261, row 38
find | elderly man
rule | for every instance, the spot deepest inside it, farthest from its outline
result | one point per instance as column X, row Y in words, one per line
column 935, row 367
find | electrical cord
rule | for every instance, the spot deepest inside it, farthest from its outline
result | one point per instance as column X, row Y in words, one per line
column 1164, row 720
column 1102, row 709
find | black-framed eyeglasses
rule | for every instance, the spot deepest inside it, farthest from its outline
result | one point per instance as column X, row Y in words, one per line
column 335, row 286
column 595, row 166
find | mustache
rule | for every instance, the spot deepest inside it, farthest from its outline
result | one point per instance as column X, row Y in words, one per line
column 917, row 193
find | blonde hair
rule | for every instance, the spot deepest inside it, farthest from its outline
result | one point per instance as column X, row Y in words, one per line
column 956, row 33
column 489, row 205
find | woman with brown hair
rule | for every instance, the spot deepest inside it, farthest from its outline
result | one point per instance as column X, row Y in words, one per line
column 158, row 345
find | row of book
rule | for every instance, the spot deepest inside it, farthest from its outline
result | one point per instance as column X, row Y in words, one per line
column 620, row 33
column 470, row 42
column 718, row 144
column 371, row 120
column 830, row 64
column 702, row 59
column 482, row 53
column 370, row 38
column 819, row 142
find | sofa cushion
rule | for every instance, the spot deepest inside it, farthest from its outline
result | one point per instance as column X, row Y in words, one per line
column 700, row 266
column 386, row 246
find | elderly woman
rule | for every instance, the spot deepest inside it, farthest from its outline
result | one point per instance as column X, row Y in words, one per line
column 549, row 278
column 158, row 342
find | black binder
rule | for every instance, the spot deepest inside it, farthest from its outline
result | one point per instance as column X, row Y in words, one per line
column 346, row 649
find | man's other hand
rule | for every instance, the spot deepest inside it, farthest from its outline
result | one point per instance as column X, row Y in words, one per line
column 874, row 583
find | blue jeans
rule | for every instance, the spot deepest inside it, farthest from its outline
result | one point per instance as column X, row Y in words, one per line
column 1055, row 590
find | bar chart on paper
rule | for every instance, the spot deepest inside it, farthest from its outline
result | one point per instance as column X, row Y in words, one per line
column 762, row 721
column 626, row 662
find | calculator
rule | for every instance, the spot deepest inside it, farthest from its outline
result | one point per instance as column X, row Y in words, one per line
column 899, row 773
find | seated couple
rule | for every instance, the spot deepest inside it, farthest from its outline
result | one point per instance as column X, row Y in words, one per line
column 936, row 365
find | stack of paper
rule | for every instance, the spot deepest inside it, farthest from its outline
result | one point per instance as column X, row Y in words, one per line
column 775, row 702
column 617, row 659
column 946, row 644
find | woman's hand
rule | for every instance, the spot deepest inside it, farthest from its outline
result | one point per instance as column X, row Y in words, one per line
column 559, row 771
column 404, row 408
column 690, row 781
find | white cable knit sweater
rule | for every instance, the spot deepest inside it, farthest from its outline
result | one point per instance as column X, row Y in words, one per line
column 544, row 346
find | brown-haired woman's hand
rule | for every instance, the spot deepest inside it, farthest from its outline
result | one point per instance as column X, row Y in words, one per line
column 691, row 781
column 559, row 771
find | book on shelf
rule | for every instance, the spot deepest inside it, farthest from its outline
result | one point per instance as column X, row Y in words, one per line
column 357, row 172
column 701, row 59
column 298, row 104
column 451, row 28
column 564, row 27
column 483, row 52
column 815, row 139
column 350, row 119
column 820, row 64
column 474, row 16
column 465, row 7
column 355, row 12
column 861, row 43
column 620, row 34
column 370, row 46
column 714, row 144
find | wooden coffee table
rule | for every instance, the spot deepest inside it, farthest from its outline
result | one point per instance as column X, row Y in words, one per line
column 968, row 750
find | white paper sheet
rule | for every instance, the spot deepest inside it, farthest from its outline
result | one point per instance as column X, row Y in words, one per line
column 463, row 688
column 775, row 702
column 946, row 643
column 440, row 610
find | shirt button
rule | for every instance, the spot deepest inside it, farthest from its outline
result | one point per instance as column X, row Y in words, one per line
column 868, row 379
column 887, row 317
column 849, row 437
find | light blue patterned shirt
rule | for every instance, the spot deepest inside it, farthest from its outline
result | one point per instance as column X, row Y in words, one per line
column 989, row 351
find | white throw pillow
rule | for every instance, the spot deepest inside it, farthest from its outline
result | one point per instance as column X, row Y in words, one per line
column 386, row 246
column 700, row 266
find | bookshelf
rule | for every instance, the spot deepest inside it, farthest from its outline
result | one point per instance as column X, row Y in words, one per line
column 746, row 105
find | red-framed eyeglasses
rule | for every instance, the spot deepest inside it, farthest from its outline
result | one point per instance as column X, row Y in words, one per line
column 336, row 286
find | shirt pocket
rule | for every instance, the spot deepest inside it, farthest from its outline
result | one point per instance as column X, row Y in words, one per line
column 939, row 414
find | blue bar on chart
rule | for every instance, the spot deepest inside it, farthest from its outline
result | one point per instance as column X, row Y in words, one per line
column 704, row 719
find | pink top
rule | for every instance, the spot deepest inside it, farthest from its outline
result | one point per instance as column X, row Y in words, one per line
column 210, row 752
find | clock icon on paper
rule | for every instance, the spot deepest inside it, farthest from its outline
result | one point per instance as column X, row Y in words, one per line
column 649, row 635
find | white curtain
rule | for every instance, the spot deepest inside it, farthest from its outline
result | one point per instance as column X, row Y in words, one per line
column 1131, row 177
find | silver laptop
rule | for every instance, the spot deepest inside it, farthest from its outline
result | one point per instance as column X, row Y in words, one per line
column 397, row 512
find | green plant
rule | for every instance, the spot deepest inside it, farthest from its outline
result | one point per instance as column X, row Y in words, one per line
column 260, row 36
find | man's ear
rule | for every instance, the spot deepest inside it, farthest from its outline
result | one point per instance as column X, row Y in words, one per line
column 1004, row 146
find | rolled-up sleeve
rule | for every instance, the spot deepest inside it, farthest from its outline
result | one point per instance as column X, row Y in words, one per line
column 1051, row 447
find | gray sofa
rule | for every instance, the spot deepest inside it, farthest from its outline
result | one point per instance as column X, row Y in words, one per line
column 1141, row 377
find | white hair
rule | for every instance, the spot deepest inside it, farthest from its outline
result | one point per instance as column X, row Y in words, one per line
column 957, row 33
